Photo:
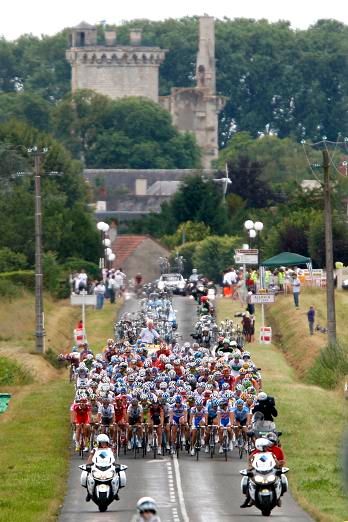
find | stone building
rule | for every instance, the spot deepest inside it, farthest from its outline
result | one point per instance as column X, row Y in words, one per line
column 196, row 109
column 133, row 70
column 114, row 70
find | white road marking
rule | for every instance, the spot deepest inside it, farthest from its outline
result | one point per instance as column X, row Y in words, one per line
column 185, row 517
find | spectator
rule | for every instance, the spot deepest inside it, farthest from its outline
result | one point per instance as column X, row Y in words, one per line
column 82, row 280
column 112, row 288
column 247, row 327
column 119, row 281
column 311, row 319
column 100, row 292
column 250, row 306
column 296, row 288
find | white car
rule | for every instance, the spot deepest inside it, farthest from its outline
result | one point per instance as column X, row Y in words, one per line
column 172, row 282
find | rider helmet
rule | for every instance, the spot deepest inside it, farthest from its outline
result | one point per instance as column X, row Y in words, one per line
column 103, row 438
column 147, row 504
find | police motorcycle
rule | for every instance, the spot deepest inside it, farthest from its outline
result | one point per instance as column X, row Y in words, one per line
column 264, row 483
column 103, row 478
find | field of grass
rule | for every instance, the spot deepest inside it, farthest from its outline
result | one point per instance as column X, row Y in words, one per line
column 34, row 456
column 312, row 421
column 100, row 325
column 35, row 431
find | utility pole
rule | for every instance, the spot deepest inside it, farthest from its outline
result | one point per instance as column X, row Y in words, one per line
column 39, row 311
column 330, row 287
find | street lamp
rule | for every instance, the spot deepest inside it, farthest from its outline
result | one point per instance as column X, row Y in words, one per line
column 103, row 228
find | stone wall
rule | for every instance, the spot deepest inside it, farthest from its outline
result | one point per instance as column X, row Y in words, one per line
column 116, row 71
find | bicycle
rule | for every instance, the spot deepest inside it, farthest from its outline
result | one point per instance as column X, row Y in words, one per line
column 225, row 442
column 144, row 439
column 93, row 434
column 212, row 441
column 198, row 443
column 155, row 441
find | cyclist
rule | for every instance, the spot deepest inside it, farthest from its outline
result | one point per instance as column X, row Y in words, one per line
column 224, row 416
column 156, row 418
column 178, row 418
column 81, row 410
column 106, row 415
column 199, row 416
column 241, row 417
column 134, row 418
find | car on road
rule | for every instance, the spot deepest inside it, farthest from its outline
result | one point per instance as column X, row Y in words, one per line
column 172, row 282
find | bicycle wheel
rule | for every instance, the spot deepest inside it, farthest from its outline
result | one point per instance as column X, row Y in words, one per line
column 155, row 445
column 225, row 446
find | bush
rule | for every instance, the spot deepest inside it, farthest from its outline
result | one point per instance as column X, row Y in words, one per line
column 10, row 260
column 330, row 367
column 13, row 374
column 9, row 291
column 214, row 254
column 25, row 278
column 73, row 264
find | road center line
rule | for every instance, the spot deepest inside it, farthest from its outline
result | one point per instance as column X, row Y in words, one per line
column 181, row 499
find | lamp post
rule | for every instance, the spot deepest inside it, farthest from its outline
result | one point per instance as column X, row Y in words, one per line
column 103, row 228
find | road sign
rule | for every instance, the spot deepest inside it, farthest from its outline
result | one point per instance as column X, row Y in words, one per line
column 248, row 256
column 262, row 298
column 83, row 299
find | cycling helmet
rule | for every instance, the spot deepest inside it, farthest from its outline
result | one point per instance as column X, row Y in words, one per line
column 239, row 402
column 103, row 438
column 147, row 504
column 178, row 399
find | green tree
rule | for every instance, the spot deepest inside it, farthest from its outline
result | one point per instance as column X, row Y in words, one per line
column 68, row 228
column 214, row 254
column 187, row 232
column 10, row 261
column 127, row 133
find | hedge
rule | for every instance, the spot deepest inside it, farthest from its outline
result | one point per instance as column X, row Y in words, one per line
column 25, row 278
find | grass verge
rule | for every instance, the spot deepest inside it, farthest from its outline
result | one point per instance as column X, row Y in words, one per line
column 34, row 459
column 12, row 373
column 100, row 324
column 312, row 421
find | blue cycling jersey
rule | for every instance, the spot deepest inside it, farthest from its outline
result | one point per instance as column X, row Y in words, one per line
column 240, row 415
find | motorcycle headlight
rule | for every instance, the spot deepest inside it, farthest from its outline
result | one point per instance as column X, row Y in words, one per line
column 270, row 478
column 103, row 475
column 258, row 479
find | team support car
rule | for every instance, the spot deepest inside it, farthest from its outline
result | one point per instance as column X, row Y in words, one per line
column 172, row 282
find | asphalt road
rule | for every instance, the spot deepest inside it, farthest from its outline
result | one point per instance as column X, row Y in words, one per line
column 186, row 490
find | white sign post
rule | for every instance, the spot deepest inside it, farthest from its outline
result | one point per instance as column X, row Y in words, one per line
column 247, row 256
column 262, row 299
column 83, row 299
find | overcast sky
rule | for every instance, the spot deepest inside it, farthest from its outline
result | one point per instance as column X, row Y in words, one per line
column 50, row 16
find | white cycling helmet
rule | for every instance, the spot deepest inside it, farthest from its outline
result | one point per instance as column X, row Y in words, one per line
column 147, row 504
column 103, row 438
column 262, row 444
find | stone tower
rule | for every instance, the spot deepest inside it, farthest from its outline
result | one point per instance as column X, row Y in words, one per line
column 114, row 70
column 196, row 109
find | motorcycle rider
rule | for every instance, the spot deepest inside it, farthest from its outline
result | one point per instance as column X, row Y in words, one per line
column 103, row 443
column 194, row 276
column 266, row 405
column 147, row 510
column 149, row 334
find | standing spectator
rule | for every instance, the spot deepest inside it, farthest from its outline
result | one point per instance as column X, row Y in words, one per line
column 83, row 280
column 100, row 292
column 311, row 319
column 296, row 288
column 281, row 279
column 250, row 306
column 112, row 288
column 119, row 281
column 247, row 327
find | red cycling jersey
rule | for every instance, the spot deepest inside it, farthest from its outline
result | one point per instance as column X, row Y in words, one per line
column 82, row 413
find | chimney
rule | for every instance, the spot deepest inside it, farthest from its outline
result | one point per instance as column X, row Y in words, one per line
column 110, row 38
column 135, row 36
